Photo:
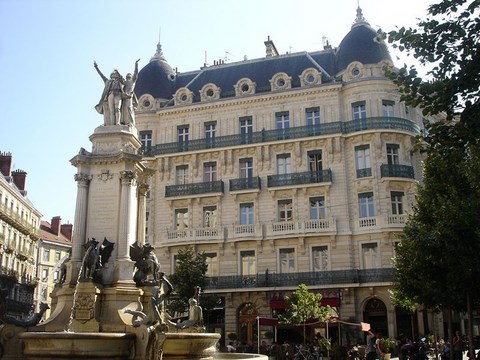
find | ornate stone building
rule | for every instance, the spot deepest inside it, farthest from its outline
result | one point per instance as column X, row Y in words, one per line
column 19, row 235
column 288, row 169
column 54, row 248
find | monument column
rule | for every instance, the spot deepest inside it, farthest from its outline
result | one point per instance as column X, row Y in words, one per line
column 83, row 181
column 127, row 218
column 142, row 208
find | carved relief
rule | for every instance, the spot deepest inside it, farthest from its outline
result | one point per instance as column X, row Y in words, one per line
column 105, row 176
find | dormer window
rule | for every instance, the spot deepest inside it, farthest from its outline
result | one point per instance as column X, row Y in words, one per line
column 183, row 96
column 244, row 87
column 210, row 92
column 281, row 81
column 310, row 77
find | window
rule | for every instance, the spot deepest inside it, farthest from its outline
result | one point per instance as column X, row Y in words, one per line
column 212, row 264
column 369, row 255
column 282, row 121
column 55, row 276
column 210, row 216
column 285, row 212
column 210, row 172
column 210, row 133
column 146, row 139
column 362, row 161
column 392, row 154
column 46, row 254
column 181, row 175
column 246, row 129
column 284, row 164
column 44, row 274
column 315, row 161
column 181, row 219
column 183, row 136
column 313, row 116
column 317, row 208
column 365, row 205
column 246, row 168
column 397, row 202
column 320, row 258
column 246, row 214
column 287, row 260
column 58, row 256
column 359, row 113
column 387, row 108
column 248, row 262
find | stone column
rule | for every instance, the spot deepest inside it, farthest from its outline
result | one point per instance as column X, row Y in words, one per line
column 83, row 182
column 142, row 208
column 127, row 219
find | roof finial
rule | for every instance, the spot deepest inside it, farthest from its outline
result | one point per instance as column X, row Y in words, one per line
column 359, row 20
column 159, row 53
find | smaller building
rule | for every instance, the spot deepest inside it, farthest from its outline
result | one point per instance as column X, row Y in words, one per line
column 53, row 249
column 19, row 235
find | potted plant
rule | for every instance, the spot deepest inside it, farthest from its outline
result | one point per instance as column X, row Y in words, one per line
column 387, row 345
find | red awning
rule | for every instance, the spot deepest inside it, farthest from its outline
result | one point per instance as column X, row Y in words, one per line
column 267, row 321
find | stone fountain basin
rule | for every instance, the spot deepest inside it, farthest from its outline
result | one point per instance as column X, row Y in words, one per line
column 190, row 345
column 70, row 345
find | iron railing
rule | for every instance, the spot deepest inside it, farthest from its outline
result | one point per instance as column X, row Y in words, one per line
column 245, row 183
column 338, row 127
column 396, row 170
column 312, row 278
column 194, row 188
column 307, row 177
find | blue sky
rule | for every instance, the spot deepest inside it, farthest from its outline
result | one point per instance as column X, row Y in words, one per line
column 47, row 49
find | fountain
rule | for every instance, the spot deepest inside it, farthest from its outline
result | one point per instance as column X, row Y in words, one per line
column 110, row 301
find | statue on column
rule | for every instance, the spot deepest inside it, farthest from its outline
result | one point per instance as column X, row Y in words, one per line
column 129, row 99
column 111, row 98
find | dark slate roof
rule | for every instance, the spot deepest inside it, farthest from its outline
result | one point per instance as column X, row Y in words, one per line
column 159, row 80
column 361, row 44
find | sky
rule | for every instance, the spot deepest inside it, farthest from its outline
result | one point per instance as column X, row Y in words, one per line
column 47, row 50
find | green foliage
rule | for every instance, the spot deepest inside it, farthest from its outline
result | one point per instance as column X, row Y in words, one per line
column 303, row 305
column 435, row 262
column 189, row 273
column 388, row 344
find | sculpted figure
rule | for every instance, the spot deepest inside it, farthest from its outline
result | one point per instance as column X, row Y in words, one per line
column 91, row 259
column 32, row 320
column 195, row 315
column 129, row 99
column 111, row 99
column 146, row 263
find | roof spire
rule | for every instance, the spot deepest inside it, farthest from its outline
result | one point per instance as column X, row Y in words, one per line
column 159, row 53
column 359, row 20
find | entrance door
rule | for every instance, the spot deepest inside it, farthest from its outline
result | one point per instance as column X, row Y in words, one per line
column 247, row 322
column 375, row 314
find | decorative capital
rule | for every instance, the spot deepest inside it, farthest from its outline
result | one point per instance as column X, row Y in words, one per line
column 82, row 179
column 143, row 189
column 128, row 177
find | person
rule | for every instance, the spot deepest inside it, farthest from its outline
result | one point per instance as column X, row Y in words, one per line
column 110, row 101
column 457, row 346
column 370, row 350
column 129, row 99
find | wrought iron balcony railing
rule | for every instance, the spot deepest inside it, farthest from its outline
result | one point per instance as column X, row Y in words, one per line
column 396, row 170
column 334, row 277
column 194, row 189
column 338, row 127
column 308, row 177
column 245, row 183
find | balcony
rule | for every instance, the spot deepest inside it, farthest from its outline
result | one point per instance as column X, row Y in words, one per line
column 13, row 218
column 395, row 170
column 245, row 231
column 301, row 178
column 379, row 222
column 196, row 235
column 311, row 278
column 338, row 127
column 295, row 228
column 194, row 189
column 242, row 184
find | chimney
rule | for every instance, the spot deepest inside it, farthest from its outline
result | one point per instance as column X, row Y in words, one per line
column 19, row 178
column 67, row 230
column 5, row 163
column 56, row 225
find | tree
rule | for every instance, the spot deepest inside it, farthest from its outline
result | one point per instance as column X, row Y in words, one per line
column 435, row 262
column 189, row 274
column 302, row 306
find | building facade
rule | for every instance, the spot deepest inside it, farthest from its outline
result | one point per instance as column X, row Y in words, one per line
column 289, row 169
column 19, row 235
column 54, row 247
